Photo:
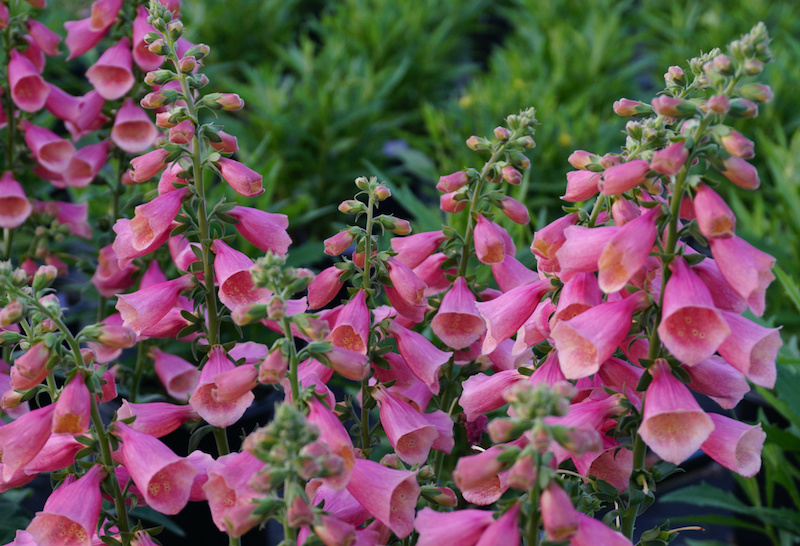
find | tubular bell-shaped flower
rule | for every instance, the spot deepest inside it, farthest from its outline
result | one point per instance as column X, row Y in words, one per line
column 458, row 323
column 143, row 309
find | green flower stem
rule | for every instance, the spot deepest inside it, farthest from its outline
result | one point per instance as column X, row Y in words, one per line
column 598, row 206
column 137, row 373
column 221, row 438
column 286, row 325
column 366, row 284
column 289, row 535
column 532, row 537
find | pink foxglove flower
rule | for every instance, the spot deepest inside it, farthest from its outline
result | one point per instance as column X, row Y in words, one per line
column 71, row 512
column 14, row 206
column 506, row 314
column 142, row 56
column 324, row 287
column 407, row 293
column 505, row 530
column 481, row 477
column 148, row 165
column 587, row 340
column 23, row 438
column 49, row 150
column 624, row 210
column 536, row 329
column 133, row 131
column 751, row 349
column 724, row 295
column 484, row 393
column 177, row 375
column 164, row 479
column 735, row 143
column 333, row 435
column 104, row 13
column 143, row 309
column 244, row 180
column 740, row 172
column 449, row 203
column 621, row 178
column 489, row 243
column 582, row 249
column 747, row 269
column 421, row 356
column 462, row 527
column 30, row 368
column 719, row 381
column 58, row 452
column 548, row 240
column 510, row 273
column 413, row 434
column 458, row 323
column 626, row 251
column 81, row 38
column 112, row 74
column 452, row 182
column 109, row 278
column 514, row 210
column 219, row 414
column 592, row 532
column 581, row 185
column 232, row 270
column 414, row 249
column 265, row 230
column 674, row 426
column 73, row 408
column 389, row 495
column 612, row 464
column 578, row 294
column 43, row 37
column 73, row 215
column 431, row 273
column 28, row 89
column 670, row 159
column 559, row 516
column 85, row 164
column 352, row 325
column 691, row 327
column 714, row 217
column 735, row 445
column 156, row 419
column 151, row 220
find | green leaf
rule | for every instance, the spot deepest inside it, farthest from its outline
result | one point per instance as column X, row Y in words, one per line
column 789, row 286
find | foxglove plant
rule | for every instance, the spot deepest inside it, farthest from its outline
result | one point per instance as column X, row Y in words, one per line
column 636, row 301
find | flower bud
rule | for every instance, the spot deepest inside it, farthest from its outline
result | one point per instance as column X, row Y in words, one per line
column 398, row 226
column 11, row 313
column 670, row 159
column 511, row 175
column 159, row 77
column 273, row 368
column 362, row 183
column 757, row 92
column 175, row 30
column 675, row 76
column 514, row 210
column 248, row 313
column 500, row 430
column 159, row 47
column 352, row 206
column 8, row 337
column 19, row 277
column 338, row 243
column 632, row 108
column 163, row 120
column 719, row 104
column 276, row 309
column 519, row 160
column 674, row 108
column 198, row 51
column 391, row 460
column 753, row 67
column 182, row 133
column 223, row 101
column 88, row 356
column 452, row 182
column 382, row 193
column 581, row 159
column 526, row 142
column 452, row 202
column 479, row 144
column 443, row 496
column 187, row 64
column 734, row 142
column 119, row 337
column 153, row 100
column 723, row 65
column 501, row 133
column 743, row 108
column 44, row 276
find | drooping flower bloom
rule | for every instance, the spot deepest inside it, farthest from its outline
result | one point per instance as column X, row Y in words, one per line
column 506, row 314
column 578, row 294
column 581, row 185
column 232, row 270
column 674, row 426
column 413, row 434
column 28, row 89
column 133, row 131
column 30, row 368
column 352, row 325
column 407, row 293
column 626, row 251
column 714, row 217
column 592, row 532
column 751, row 349
column 421, row 356
column 735, row 445
column 43, row 37
column 582, row 249
column 81, row 38
column 414, row 249
column 151, row 220
column 73, row 408
column 156, row 419
column 244, row 180
column 389, row 495
column 559, row 516
column 142, row 56
column 462, row 527
column 219, row 414
column 489, row 243
column 14, row 206
column 481, row 477
column 143, row 309
column 691, row 327
column 164, row 479
column 458, row 323
column 324, row 287
column 265, row 230
column 177, row 375
column 50, row 151
column 85, row 164
column 484, row 393
column 230, row 496
column 71, row 512
column 548, row 240
column 670, row 159
column 719, row 381
column 587, row 340
column 111, row 75
column 621, row 178
column 505, row 530
column 23, row 438
column 148, row 165
column 511, row 273
column 747, row 269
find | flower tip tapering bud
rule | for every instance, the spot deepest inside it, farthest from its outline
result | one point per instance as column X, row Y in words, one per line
column 338, row 243
column 757, row 92
column 223, row 101
column 719, row 104
column 352, row 206
column 632, row 108
column 675, row 77
column 479, row 144
column 44, row 276
column 511, row 175
column 452, row 182
column 382, row 193
column 673, row 107
column 501, row 133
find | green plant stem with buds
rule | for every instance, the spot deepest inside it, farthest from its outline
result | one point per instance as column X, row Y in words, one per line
column 628, row 519
column 286, row 325
column 366, row 284
column 97, row 421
